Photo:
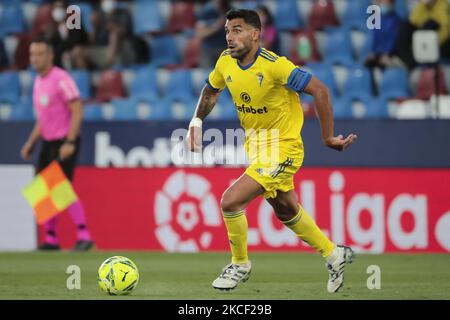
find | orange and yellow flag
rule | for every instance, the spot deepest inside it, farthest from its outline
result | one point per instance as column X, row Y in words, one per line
column 49, row 193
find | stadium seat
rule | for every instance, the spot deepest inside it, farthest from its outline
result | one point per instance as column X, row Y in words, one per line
column 164, row 51
column 41, row 19
column 146, row 17
column 338, row 47
column 182, row 16
column 304, row 48
column 342, row 108
column 9, row 87
column 122, row 110
column 426, row 84
column 225, row 108
column 394, row 83
column 110, row 86
column 355, row 16
column 21, row 55
column 358, row 83
column 192, row 52
column 92, row 112
column 286, row 16
column 324, row 72
column 180, row 86
column 86, row 11
column 82, row 79
column 412, row 109
column 144, row 86
column 180, row 110
column 370, row 108
column 11, row 19
column 401, row 9
column 22, row 112
column 322, row 14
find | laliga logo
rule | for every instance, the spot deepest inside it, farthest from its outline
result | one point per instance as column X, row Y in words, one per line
column 186, row 212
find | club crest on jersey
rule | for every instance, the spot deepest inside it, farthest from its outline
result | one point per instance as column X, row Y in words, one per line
column 229, row 79
column 260, row 78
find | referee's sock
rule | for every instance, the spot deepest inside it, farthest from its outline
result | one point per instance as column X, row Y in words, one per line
column 236, row 223
column 76, row 212
column 306, row 229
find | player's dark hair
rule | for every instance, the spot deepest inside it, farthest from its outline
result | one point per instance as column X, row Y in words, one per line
column 42, row 39
column 250, row 17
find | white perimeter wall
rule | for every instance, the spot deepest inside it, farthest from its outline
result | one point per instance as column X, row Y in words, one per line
column 17, row 223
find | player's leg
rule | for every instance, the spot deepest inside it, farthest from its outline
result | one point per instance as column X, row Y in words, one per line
column 46, row 155
column 234, row 201
column 76, row 210
column 294, row 216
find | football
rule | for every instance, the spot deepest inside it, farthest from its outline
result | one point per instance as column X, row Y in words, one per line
column 118, row 276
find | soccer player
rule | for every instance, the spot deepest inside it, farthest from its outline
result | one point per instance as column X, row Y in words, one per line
column 59, row 115
column 265, row 89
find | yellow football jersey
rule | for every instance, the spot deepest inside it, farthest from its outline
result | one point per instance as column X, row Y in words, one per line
column 263, row 99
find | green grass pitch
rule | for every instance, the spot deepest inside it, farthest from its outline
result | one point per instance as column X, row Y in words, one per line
column 275, row 276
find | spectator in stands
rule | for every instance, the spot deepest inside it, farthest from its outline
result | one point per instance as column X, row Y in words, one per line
column 269, row 36
column 69, row 44
column 210, row 30
column 3, row 57
column 111, row 40
column 383, row 51
column 426, row 15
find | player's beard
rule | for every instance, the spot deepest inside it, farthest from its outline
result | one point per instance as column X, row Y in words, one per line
column 241, row 53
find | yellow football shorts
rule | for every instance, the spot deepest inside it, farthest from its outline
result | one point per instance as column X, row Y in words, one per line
column 278, row 176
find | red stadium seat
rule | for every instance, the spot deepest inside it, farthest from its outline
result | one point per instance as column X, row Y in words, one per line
column 425, row 86
column 182, row 16
column 311, row 51
column 21, row 55
column 42, row 18
column 110, row 86
column 192, row 53
column 322, row 15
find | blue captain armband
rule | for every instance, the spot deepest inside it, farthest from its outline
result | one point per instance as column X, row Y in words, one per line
column 298, row 80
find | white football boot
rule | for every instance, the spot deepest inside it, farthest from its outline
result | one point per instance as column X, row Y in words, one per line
column 231, row 275
column 335, row 263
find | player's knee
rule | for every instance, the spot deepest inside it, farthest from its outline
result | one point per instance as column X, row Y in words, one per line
column 229, row 203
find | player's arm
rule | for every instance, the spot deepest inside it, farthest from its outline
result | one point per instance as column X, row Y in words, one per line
column 324, row 110
column 68, row 148
column 29, row 145
column 206, row 103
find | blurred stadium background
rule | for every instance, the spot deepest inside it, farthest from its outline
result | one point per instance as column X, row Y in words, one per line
column 389, row 194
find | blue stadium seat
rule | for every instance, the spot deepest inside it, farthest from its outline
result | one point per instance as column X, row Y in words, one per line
column 355, row 16
column 9, row 87
column 377, row 109
column 180, row 87
column 86, row 10
column 22, row 112
column 181, row 110
column 358, row 83
column 164, row 51
column 92, row 112
column 338, row 47
column 287, row 16
column 394, row 83
column 144, row 85
column 146, row 17
column 401, row 9
column 225, row 108
column 11, row 19
column 342, row 108
column 82, row 79
column 124, row 109
column 324, row 72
